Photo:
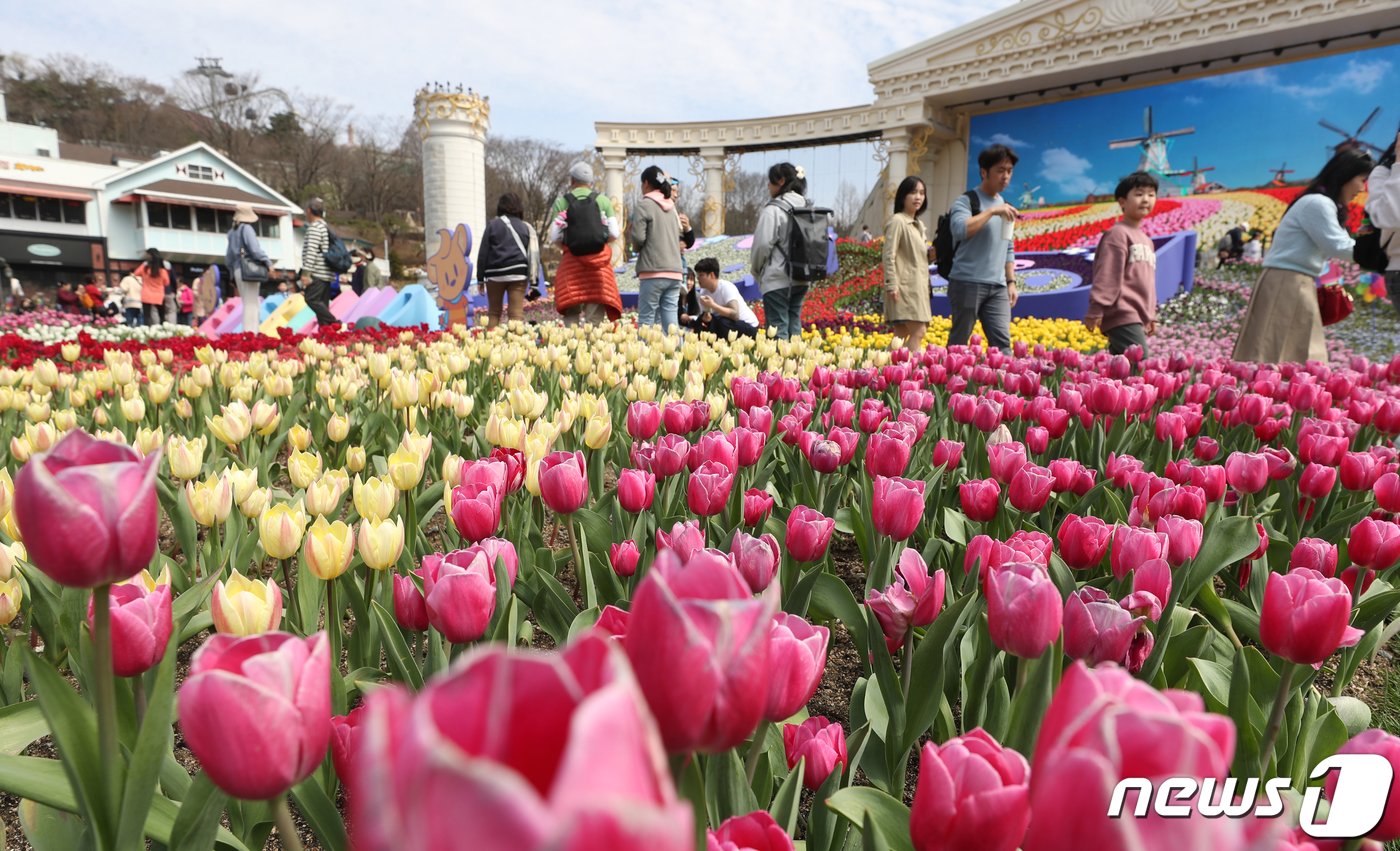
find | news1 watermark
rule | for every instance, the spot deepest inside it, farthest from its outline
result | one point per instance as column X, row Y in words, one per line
column 1357, row 803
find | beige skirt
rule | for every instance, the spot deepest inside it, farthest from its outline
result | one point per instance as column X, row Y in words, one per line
column 1282, row 323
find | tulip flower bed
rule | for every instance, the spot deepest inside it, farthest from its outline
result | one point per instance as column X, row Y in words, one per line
column 54, row 326
column 547, row 588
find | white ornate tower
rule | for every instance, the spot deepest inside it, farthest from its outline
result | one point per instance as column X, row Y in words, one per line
column 452, row 124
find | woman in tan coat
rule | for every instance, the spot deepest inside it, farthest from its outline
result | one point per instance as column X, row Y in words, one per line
column 905, row 260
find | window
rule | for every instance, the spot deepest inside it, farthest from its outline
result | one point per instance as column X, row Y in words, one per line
column 205, row 219
column 157, row 214
column 225, row 221
column 269, row 227
column 200, row 172
column 26, row 207
column 180, row 217
column 75, row 212
column 50, row 210
column 4, row 205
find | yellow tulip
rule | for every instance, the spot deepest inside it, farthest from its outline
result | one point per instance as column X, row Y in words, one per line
column 148, row 440
column 280, row 529
column 255, row 502
column 10, row 527
column 45, row 372
column 405, row 469
column 186, row 457
column 11, row 595
column 355, row 459
column 189, row 388
column 337, row 428
column 7, row 492
column 298, row 437
column 303, row 468
column 159, row 391
column 71, row 351
column 210, row 500
column 7, row 561
column 463, row 405
column 41, row 436
column 329, row 548
column 243, row 606
column 381, row 542
column 374, row 497
column 184, row 410
column 147, row 581
column 65, row 420
column 403, row 390
column 133, row 409
column 452, row 472
column 418, row 444
column 242, row 481
column 123, row 373
column 323, row 496
column 38, row 412
column 266, row 417
column 598, row 430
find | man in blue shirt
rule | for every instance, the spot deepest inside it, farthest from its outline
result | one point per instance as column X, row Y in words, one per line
column 982, row 282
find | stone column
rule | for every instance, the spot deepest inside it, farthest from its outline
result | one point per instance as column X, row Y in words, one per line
column 614, row 186
column 713, row 217
column 898, row 165
column 452, row 125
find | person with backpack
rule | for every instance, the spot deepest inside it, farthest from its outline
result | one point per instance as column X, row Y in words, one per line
column 1383, row 208
column 250, row 264
column 507, row 261
column 657, row 232
column 1283, row 322
column 318, row 249
column 155, row 280
column 583, row 222
column 981, row 271
column 778, row 236
column 904, row 258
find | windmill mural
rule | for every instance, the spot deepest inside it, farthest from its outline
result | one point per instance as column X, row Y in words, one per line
column 1154, row 147
column 1281, row 175
column 1197, row 173
column 1028, row 197
column 1354, row 140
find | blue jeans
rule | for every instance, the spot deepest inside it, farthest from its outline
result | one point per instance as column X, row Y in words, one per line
column 782, row 310
column 658, row 302
column 133, row 317
column 971, row 302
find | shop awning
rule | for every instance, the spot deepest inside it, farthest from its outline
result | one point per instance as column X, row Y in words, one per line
column 44, row 190
column 206, row 195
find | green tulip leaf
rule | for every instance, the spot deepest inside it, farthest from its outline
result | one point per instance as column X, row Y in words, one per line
column 930, row 662
column 197, row 823
column 152, row 744
column 889, row 817
column 727, row 792
column 832, row 600
column 21, row 725
column 400, row 659
column 320, row 813
column 74, row 726
column 51, row 829
column 785, row 805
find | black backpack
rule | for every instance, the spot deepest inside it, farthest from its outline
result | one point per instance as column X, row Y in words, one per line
column 337, row 256
column 1368, row 253
column 808, row 241
column 944, row 248
column 584, row 231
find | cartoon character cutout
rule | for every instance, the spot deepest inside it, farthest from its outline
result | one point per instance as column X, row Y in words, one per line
column 450, row 271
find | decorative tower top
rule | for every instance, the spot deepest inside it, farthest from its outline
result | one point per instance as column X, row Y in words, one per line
column 446, row 102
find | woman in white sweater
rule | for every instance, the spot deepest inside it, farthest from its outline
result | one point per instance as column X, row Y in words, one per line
column 1383, row 206
column 1282, row 323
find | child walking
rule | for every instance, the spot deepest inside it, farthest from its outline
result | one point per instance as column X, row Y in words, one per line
column 1123, row 298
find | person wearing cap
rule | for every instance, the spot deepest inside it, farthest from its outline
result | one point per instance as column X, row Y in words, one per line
column 585, row 287
column 316, row 276
column 243, row 243
column 658, row 231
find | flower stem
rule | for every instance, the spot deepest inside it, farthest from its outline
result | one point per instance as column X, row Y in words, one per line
column 585, row 576
column 333, row 623
column 105, row 692
column 290, row 606
column 757, row 749
column 906, row 670
column 286, row 828
column 1285, row 688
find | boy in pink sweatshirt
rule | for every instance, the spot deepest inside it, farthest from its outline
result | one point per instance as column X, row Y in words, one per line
column 1123, row 298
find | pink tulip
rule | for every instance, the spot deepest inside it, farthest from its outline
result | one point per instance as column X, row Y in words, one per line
column 1183, row 538
column 410, row 609
column 897, row 507
column 748, row 444
column 1387, row 488
column 87, row 511
column 926, row 590
column 643, row 420
column 1024, row 609
column 808, row 533
column 1373, row 543
column 345, row 742
column 671, row 454
column 797, row 657
column 1132, row 546
column 624, row 558
column 1005, row 459
column 848, row 440
column 459, row 590
column 758, row 505
column 1317, row 481
column 1030, row 488
column 980, row 499
column 256, row 711
column 1152, row 587
column 987, row 416
column 1097, row 629
column 502, row 550
column 1211, row 480
column 707, row 491
column 485, row 471
column 612, row 622
column 1083, row 541
column 1247, row 472
column 1306, row 616
column 821, row 743
column 533, row 751
column 1037, row 439
column 873, row 413
column 699, row 644
column 947, row 453
column 757, row 558
column 1361, row 471
column 823, row 455
column 894, row 610
column 514, row 460
column 1103, row 726
column 685, row 539
column 1383, row 743
column 886, row 455
column 476, row 510
column 714, row 446
column 748, row 394
column 678, row 417
column 1316, row 554
column 972, row 796
column 141, row 626
column 563, row 482
column 754, row 832
column 635, row 490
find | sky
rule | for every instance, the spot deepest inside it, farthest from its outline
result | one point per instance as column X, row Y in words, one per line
column 550, row 67
column 1247, row 124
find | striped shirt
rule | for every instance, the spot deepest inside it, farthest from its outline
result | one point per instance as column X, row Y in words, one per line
column 313, row 252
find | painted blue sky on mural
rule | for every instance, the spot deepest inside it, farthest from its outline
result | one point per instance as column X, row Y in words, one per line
column 1246, row 124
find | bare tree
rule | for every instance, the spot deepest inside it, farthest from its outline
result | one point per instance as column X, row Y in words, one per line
column 228, row 110
column 299, row 145
column 743, row 201
column 847, row 207
column 536, row 170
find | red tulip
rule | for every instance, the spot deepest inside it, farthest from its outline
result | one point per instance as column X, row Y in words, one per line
column 1375, row 742
column 979, row 499
column 87, row 511
column 797, row 656
column 1103, row 726
column 1097, row 629
column 1247, row 472
column 677, row 416
column 141, row 626
column 1183, row 538
column 699, row 644
column 1305, row 616
column 1005, row 459
column 624, row 558
column 459, row 591
column 1373, row 543
column 1387, row 488
column 410, row 609
column 636, row 489
column 821, row 743
column 1083, row 541
column 972, row 796
column 757, row 558
column 685, row 539
column 897, row 506
column 563, row 482
column 1170, row 427
column 758, row 505
column 1024, row 609
column 1030, row 488
column 476, row 510
column 808, row 533
column 947, row 453
column 256, row 711
column 708, row 488
column 534, row 751
column 1132, row 546
column 754, row 832
column 345, row 742
column 1349, row 578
